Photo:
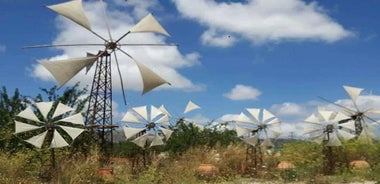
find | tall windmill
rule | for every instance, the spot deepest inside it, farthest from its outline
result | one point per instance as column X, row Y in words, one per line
column 99, row 113
column 256, row 130
column 324, row 128
column 364, row 123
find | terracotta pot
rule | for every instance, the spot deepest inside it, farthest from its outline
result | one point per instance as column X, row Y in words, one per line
column 285, row 165
column 207, row 170
column 359, row 164
column 105, row 172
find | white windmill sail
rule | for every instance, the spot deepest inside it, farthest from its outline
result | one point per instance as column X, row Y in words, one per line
column 345, row 135
column 240, row 131
column 164, row 110
column 254, row 113
column 72, row 10
column 149, row 24
column 190, row 107
column 75, row 119
column 141, row 141
column 154, row 112
column 333, row 140
column 37, row 140
column 244, row 118
column 64, row 70
column 156, row 141
column 349, row 125
column 267, row 115
column 130, row 132
column 129, row 117
column 319, row 139
column 311, row 128
column 44, row 108
column 28, row 114
column 23, row 127
column 353, row 92
column 326, row 115
column 167, row 133
column 253, row 140
column 150, row 79
column 58, row 141
column 267, row 143
column 61, row 109
column 72, row 131
column 142, row 111
column 164, row 120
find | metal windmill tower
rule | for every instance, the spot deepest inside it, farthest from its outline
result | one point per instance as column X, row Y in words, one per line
column 99, row 114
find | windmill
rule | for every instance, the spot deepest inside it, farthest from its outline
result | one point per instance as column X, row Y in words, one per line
column 325, row 128
column 99, row 113
column 49, row 125
column 256, row 130
column 151, row 128
column 364, row 124
column 190, row 106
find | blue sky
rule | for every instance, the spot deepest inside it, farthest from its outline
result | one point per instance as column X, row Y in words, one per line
column 278, row 55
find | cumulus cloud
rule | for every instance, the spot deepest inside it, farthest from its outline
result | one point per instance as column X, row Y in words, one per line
column 165, row 61
column 243, row 92
column 262, row 21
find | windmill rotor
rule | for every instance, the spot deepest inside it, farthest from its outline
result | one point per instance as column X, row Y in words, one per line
column 259, row 125
column 364, row 123
column 54, row 128
column 325, row 128
column 151, row 126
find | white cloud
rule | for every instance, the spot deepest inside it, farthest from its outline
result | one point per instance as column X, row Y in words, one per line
column 288, row 109
column 165, row 61
column 2, row 48
column 262, row 20
column 242, row 92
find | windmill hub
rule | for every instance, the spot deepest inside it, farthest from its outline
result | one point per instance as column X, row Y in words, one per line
column 329, row 128
column 262, row 126
column 112, row 45
column 151, row 125
column 357, row 116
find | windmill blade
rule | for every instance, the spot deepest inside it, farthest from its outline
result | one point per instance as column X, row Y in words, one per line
column 267, row 115
column 190, row 107
column 345, row 135
column 349, row 125
column 319, row 139
column 64, row 70
column 164, row 120
column 253, row 140
column 311, row 128
column 240, row 131
column 156, row 141
column 340, row 116
column 254, row 113
column 326, row 115
column 142, row 111
column 149, row 24
column 163, row 109
column 333, row 140
column 150, row 79
column 130, row 132
column 244, row 119
column 130, row 117
column 28, row 114
column 58, row 141
column 72, row 10
column 312, row 119
column 353, row 92
column 24, row 127
column 37, row 140
column 154, row 112
column 141, row 141
column 106, row 20
column 61, row 109
column 167, row 133
column 121, row 78
column 75, row 119
column 72, row 131
column 267, row 143
column 274, row 122
column 44, row 108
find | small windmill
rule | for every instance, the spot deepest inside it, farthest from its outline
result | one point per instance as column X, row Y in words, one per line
column 364, row 124
column 256, row 130
column 324, row 128
column 49, row 125
column 99, row 113
column 151, row 128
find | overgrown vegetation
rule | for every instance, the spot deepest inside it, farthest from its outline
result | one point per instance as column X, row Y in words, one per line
column 176, row 162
